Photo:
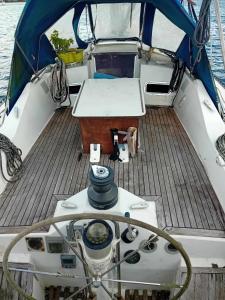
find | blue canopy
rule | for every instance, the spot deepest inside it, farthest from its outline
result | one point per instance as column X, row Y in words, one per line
column 33, row 51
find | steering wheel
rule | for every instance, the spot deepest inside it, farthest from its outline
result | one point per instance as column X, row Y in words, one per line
column 95, row 279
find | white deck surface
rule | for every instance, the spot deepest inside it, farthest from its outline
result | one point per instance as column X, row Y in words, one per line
column 110, row 98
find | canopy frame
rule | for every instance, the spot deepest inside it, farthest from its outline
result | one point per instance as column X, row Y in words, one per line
column 38, row 16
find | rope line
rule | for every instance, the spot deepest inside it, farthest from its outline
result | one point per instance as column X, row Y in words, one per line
column 14, row 164
column 59, row 86
column 220, row 146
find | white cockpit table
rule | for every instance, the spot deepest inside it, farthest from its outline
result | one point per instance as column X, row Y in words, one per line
column 103, row 104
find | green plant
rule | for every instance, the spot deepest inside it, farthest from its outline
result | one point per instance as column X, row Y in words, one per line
column 60, row 45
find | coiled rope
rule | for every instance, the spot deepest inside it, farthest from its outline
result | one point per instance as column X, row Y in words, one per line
column 59, row 86
column 202, row 30
column 220, row 146
column 14, row 164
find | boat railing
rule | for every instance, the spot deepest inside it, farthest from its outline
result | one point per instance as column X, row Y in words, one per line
column 3, row 109
column 38, row 75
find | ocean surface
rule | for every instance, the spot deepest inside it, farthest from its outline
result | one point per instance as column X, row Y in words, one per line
column 9, row 16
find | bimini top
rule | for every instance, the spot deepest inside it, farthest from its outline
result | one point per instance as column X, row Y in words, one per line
column 33, row 51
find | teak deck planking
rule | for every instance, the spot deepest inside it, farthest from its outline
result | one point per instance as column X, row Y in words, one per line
column 206, row 284
column 23, row 279
column 166, row 170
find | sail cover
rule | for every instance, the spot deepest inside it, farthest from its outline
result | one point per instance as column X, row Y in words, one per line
column 33, row 51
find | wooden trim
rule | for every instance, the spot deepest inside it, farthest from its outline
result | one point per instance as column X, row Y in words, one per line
column 204, row 270
column 98, row 131
column 196, row 232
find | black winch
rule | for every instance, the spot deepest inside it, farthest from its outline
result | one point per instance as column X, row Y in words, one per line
column 103, row 192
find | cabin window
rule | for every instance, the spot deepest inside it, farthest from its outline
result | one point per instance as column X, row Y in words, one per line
column 165, row 34
column 116, row 64
column 74, row 89
column 157, row 88
column 84, row 28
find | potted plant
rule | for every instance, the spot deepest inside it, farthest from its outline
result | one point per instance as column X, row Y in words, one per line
column 63, row 50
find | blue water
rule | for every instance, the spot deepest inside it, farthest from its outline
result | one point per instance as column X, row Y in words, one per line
column 10, row 13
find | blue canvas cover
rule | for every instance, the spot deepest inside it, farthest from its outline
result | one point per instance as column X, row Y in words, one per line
column 39, row 16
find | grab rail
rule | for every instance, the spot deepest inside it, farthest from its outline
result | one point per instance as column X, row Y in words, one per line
column 37, row 76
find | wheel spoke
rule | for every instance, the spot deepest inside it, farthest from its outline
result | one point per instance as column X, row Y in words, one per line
column 125, row 258
column 108, row 292
column 162, row 285
column 72, row 248
column 80, row 290
column 120, row 262
column 58, row 274
column 97, row 216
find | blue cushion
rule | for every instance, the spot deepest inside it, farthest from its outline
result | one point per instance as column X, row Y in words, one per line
column 103, row 76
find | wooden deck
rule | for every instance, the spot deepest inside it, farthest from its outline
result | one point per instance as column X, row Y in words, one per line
column 206, row 284
column 166, row 170
column 23, row 279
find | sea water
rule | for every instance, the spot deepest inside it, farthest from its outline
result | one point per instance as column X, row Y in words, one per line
column 9, row 16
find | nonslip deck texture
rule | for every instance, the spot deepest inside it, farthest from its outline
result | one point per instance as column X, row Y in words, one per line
column 166, row 170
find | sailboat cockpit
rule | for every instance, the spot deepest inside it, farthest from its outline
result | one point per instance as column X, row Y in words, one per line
column 112, row 154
